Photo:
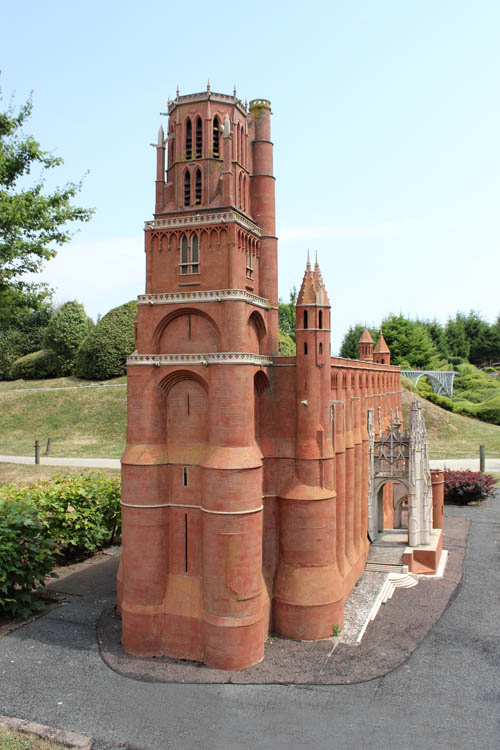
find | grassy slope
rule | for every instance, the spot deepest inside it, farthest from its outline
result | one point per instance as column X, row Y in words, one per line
column 81, row 422
column 91, row 421
column 451, row 435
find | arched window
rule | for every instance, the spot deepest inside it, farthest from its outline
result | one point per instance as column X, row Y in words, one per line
column 195, row 254
column 189, row 139
column 187, row 189
column 197, row 188
column 244, row 193
column 190, row 255
column 249, row 265
column 306, row 325
column 216, row 137
column 199, row 139
column 184, row 255
column 320, row 319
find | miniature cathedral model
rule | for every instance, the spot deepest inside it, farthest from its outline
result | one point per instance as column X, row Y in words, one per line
column 246, row 473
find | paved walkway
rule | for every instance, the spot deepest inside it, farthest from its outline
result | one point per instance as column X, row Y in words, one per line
column 89, row 463
column 492, row 464
column 444, row 696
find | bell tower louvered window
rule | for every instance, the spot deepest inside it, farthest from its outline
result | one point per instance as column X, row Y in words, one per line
column 199, row 139
column 187, row 189
column 197, row 188
column 216, row 137
column 189, row 139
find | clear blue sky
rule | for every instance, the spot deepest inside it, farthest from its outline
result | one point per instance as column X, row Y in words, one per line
column 386, row 126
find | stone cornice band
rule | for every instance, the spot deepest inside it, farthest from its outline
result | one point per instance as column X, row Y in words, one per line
column 221, row 217
column 215, row 358
column 212, row 295
column 196, row 507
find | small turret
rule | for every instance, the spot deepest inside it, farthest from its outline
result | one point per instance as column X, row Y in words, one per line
column 366, row 346
column 382, row 353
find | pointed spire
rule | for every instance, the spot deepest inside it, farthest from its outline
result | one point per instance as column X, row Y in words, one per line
column 381, row 347
column 161, row 137
column 312, row 291
column 365, row 337
column 208, row 85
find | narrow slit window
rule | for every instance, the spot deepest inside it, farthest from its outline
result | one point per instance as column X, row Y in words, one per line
column 216, row 136
column 189, row 139
column 320, row 319
column 186, row 542
column 185, row 476
column 187, row 189
column 321, row 348
column 199, row 139
column 305, row 347
column 197, row 189
column 187, row 404
column 189, row 327
column 306, row 325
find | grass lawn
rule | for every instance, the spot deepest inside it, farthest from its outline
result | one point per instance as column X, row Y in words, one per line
column 452, row 435
column 81, row 421
column 20, row 741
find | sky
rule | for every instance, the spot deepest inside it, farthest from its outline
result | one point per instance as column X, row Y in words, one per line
column 386, row 125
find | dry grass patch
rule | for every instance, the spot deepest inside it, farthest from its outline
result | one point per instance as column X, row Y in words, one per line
column 10, row 740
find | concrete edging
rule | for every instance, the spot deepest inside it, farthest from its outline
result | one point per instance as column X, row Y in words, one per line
column 69, row 739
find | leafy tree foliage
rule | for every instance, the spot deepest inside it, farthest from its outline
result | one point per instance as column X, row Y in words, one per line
column 409, row 341
column 104, row 352
column 32, row 221
column 68, row 327
column 350, row 343
column 286, row 345
column 24, row 316
column 286, row 315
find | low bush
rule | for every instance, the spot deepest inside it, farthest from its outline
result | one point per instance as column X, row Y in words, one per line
column 489, row 411
column 67, row 328
column 407, row 384
column 80, row 513
column 463, row 487
column 443, row 401
column 35, row 366
column 27, row 554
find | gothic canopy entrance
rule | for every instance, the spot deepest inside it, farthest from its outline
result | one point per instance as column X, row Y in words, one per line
column 401, row 458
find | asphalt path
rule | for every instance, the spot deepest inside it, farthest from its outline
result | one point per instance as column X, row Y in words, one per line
column 492, row 464
column 445, row 696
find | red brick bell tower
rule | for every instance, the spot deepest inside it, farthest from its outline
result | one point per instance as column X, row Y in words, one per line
column 191, row 581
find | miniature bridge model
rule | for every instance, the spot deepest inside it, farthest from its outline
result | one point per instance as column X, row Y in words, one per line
column 440, row 380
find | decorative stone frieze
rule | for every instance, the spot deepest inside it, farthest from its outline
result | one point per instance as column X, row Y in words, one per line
column 213, row 295
column 221, row 217
column 219, row 358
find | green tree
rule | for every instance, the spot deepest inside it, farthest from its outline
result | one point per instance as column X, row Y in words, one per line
column 103, row 354
column 32, row 221
column 350, row 343
column 286, row 315
column 67, row 328
column 409, row 342
column 456, row 337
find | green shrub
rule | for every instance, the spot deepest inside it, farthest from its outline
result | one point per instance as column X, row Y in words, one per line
column 67, row 328
column 35, row 366
column 408, row 384
column 80, row 512
column 489, row 411
column 11, row 347
column 27, row 553
column 443, row 401
column 286, row 345
column 103, row 354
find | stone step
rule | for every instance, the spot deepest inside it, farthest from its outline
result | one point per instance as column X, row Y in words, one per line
column 386, row 567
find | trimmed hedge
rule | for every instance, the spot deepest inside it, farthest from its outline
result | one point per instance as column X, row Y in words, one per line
column 103, row 354
column 463, row 487
column 36, row 366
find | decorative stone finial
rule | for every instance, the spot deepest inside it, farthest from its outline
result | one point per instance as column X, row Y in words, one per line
column 177, row 92
column 234, row 91
column 208, row 85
